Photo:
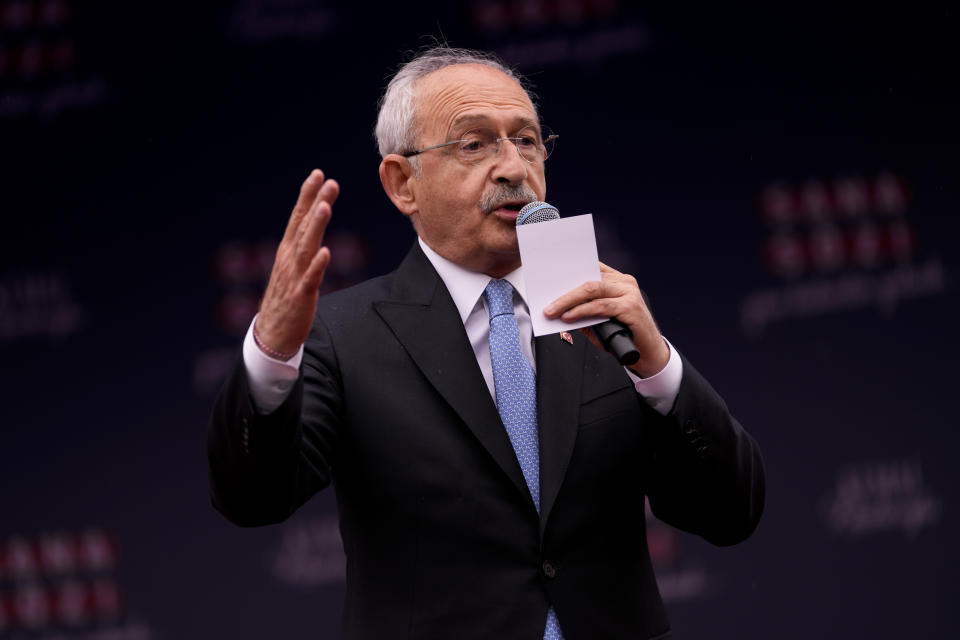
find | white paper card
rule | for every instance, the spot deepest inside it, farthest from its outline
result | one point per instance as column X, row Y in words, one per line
column 558, row 256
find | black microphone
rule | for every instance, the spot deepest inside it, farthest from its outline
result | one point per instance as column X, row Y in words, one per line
column 614, row 335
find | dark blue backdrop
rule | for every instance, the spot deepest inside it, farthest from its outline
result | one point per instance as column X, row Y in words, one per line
column 783, row 184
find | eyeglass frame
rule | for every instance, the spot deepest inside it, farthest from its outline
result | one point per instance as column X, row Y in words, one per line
column 543, row 143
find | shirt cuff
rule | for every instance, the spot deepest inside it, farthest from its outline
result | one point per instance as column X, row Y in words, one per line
column 270, row 379
column 660, row 390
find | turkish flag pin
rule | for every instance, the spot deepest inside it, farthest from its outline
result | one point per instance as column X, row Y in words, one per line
column 566, row 337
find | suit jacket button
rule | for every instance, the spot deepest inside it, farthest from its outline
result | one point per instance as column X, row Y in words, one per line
column 549, row 570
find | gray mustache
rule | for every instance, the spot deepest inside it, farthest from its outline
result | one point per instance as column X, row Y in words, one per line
column 501, row 194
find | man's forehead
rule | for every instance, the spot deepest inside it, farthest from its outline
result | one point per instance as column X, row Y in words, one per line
column 472, row 91
column 479, row 119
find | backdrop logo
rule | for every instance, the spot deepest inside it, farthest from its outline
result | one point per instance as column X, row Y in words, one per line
column 260, row 20
column 880, row 496
column 680, row 577
column 838, row 245
column 38, row 305
column 541, row 33
column 39, row 62
column 63, row 585
column 242, row 270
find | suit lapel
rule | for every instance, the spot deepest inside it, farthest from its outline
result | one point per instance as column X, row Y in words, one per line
column 424, row 318
column 559, row 376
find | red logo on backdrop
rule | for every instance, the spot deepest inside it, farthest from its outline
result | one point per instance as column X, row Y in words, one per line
column 680, row 576
column 243, row 269
column 827, row 226
column 39, row 59
column 59, row 581
column 837, row 245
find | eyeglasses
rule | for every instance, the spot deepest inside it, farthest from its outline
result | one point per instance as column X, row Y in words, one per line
column 478, row 145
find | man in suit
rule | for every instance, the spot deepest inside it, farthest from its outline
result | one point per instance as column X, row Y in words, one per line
column 489, row 485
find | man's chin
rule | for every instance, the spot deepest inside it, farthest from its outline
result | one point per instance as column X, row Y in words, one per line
column 507, row 251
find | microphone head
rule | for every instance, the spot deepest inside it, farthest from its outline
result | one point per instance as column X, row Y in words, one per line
column 537, row 212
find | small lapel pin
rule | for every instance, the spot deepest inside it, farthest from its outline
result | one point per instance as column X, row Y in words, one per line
column 566, row 337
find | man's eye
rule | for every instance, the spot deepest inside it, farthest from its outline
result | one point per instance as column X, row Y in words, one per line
column 528, row 142
column 472, row 145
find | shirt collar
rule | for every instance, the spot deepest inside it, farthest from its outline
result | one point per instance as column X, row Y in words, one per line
column 466, row 287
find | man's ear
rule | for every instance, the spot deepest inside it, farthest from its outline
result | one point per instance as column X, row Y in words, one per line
column 396, row 176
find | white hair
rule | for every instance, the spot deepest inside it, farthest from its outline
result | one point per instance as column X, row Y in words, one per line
column 397, row 129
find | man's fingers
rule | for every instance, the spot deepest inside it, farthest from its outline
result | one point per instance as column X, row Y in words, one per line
column 330, row 191
column 308, row 194
column 308, row 191
column 600, row 307
column 313, row 191
column 583, row 293
column 327, row 193
column 314, row 274
column 311, row 233
column 326, row 196
column 608, row 288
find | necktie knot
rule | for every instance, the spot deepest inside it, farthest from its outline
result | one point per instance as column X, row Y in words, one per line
column 499, row 295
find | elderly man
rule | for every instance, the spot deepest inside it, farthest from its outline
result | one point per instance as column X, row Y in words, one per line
column 489, row 484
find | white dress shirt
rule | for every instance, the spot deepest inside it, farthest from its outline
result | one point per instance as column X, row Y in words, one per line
column 271, row 379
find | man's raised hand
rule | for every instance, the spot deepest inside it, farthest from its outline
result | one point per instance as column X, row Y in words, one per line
column 290, row 302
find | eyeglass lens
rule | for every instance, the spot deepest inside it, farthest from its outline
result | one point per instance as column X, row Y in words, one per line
column 481, row 143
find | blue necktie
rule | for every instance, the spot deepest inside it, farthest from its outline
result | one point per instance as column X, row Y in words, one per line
column 516, row 387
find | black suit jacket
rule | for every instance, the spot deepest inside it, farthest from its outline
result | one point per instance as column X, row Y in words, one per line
column 441, row 535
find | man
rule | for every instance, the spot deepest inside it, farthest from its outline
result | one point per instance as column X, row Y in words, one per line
column 489, row 485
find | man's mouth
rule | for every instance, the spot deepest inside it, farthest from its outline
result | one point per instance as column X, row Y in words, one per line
column 509, row 209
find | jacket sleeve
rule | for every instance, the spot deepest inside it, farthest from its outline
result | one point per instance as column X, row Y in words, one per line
column 263, row 467
column 706, row 474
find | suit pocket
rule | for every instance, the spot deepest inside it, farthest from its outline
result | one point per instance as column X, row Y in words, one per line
column 608, row 406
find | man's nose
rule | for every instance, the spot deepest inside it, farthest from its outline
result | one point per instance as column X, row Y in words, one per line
column 510, row 165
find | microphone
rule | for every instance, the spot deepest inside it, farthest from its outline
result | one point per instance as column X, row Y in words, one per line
column 613, row 334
